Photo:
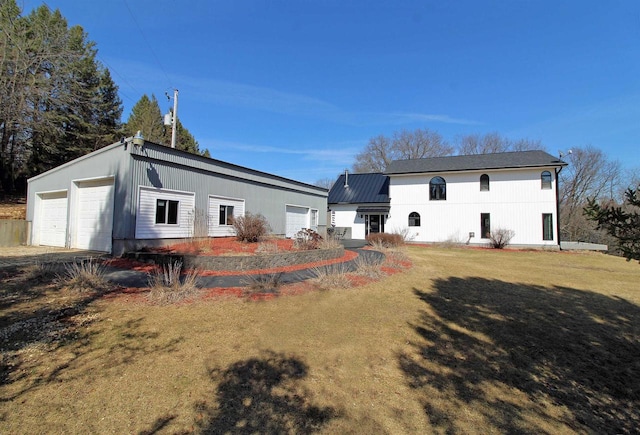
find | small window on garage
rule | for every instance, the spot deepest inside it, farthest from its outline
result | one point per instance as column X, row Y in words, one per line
column 314, row 218
column 226, row 215
column 167, row 211
column 414, row 219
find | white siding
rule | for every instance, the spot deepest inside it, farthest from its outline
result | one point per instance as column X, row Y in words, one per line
column 215, row 229
column 146, row 227
column 346, row 216
column 515, row 201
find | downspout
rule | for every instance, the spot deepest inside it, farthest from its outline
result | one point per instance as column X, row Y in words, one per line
column 557, row 171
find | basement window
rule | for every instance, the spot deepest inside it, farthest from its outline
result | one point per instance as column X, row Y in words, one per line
column 167, row 211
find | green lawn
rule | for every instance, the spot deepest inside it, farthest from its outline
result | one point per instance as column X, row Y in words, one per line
column 482, row 341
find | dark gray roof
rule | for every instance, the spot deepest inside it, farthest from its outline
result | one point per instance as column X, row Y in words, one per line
column 363, row 188
column 515, row 159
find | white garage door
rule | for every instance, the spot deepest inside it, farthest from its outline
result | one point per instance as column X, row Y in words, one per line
column 297, row 219
column 53, row 219
column 95, row 215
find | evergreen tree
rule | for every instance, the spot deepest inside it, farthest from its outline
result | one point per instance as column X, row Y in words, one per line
column 147, row 118
column 58, row 101
column 621, row 222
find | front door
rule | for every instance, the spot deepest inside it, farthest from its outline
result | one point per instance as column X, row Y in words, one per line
column 373, row 223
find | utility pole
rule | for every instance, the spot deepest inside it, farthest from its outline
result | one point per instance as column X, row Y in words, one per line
column 175, row 118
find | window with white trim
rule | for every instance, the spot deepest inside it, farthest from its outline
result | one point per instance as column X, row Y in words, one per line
column 167, row 211
column 226, row 215
column 547, row 226
column 314, row 218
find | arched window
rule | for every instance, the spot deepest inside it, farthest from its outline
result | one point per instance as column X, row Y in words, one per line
column 484, row 183
column 437, row 189
column 545, row 178
column 414, row 219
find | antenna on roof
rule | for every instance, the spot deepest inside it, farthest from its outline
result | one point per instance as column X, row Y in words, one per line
column 346, row 178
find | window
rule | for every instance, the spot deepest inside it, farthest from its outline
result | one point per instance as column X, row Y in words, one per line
column 485, row 225
column 414, row 219
column 547, row 226
column 314, row 218
column 437, row 189
column 226, row 215
column 166, row 211
column 545, row 178
column 484, row 183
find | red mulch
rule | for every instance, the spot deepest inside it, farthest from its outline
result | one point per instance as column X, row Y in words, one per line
column 223, row 246
column 229, row 245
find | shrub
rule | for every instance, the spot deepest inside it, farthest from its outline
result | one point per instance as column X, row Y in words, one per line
column 385, row 240
column 500, row 238
column 330, row 277
column 84, row 276
column 269, row 283
column 307, row 239
column 369, row 267
column 250, row 227
column 168, row 286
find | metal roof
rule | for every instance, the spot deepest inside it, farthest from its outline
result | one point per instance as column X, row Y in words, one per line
column 514, row 159
column 361, row 189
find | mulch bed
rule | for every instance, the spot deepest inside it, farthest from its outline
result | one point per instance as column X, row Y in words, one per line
column 230, row 246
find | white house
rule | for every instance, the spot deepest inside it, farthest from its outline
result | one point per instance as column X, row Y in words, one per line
column 458, row 198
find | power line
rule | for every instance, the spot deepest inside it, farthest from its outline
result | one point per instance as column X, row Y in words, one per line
column 147, row 42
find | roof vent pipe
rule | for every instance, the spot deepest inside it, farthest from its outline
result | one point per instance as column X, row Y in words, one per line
column 346, row 178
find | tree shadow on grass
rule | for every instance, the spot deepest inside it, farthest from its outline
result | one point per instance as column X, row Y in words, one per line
column 262, row 395
column 524, row 358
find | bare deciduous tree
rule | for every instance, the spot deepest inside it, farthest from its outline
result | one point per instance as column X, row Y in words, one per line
column 494, row 143
column 417, row 144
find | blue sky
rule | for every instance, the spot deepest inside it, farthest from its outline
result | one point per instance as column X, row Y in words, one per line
column 297, row 88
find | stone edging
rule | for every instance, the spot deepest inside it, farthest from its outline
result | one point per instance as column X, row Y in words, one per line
column 239, row 263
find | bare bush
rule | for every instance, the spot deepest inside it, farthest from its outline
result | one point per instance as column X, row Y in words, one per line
column 385, row 240
column 406, row 234
column 307, row 240
column 250, row 227
column 267, row 247
column 168, row 285
column 330, row 277
column 83, row 276
column 500, row 237
column 267, row 283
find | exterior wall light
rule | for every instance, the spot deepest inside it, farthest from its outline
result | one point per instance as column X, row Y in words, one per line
column 138, row 139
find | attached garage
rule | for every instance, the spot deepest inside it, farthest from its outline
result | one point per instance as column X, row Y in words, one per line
column 297, row 219
column 94, row 215
column 51, row 218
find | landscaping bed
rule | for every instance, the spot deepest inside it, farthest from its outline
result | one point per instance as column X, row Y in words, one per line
column 227, row 254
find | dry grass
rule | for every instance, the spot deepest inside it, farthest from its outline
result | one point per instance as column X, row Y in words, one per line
column 84, row 276
column 168, row 285
column 13, row 208
column 267, row 283
column 467, row 341
column 330, row 277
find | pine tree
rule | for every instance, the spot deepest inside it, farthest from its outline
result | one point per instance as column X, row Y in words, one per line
column 147, row 118
column 621, row 222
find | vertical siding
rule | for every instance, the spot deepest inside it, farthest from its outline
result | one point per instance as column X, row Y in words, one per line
column 259, row 197
column 515, row 201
